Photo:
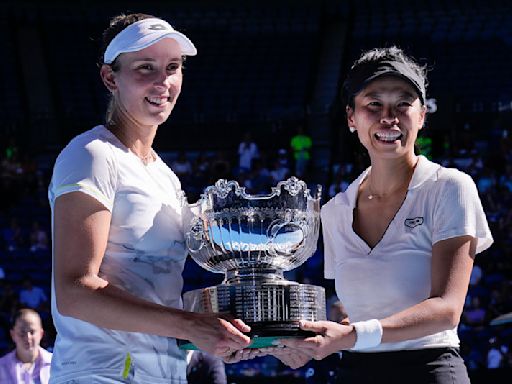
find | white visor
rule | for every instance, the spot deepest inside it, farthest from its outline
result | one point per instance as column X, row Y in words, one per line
column 144, row 33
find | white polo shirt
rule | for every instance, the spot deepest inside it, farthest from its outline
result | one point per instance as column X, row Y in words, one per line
column 441, row 203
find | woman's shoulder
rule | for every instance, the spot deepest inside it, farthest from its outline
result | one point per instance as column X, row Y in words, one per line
column 332, row 207
column 94, row 143
column 453, row 176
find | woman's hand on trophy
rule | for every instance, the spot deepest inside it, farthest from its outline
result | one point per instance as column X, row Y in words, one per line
column 244, row 354
column 330, row 337
column 217, row 335
column 294, row 358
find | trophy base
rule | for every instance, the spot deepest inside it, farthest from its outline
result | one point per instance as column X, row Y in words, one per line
column 257, row 341
column 272, row 309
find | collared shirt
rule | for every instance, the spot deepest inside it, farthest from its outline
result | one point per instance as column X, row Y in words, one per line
column 395, row 274
column 12, row 371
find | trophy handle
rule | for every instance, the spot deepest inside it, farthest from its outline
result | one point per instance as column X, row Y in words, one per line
column 195, row 237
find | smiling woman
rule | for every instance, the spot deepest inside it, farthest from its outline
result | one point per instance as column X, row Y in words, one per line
column 118, row 237
column 399, row 242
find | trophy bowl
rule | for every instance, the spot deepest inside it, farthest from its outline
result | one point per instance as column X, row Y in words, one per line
column 253, row 240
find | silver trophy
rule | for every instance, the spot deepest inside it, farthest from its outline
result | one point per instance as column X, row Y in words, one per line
column 253, row 239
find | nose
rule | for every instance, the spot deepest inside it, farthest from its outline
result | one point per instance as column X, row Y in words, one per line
column 163, row 79
column 26, row 338
column 388, row 117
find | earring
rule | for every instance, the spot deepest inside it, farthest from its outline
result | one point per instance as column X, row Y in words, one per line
column 352, row 129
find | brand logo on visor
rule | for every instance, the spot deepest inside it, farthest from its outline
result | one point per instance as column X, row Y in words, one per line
column 157, row 27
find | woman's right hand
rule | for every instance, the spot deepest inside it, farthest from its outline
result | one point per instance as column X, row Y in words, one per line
column 217, row 334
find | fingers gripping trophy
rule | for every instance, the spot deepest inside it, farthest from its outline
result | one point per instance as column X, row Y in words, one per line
column 253, row 239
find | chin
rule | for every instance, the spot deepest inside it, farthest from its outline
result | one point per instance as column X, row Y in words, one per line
column 160, row 118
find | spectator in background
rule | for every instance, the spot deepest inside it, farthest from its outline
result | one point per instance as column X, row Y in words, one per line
column 505, row 180
column 11, row 166
column 280, row 170
column 339, row 183
column 475, row 316
column 486, row 181
column 282, row 158
column 204, row 368
column 247, row 152
column 32, row 296
column 202, row 165
column 13, row 236
column 497, row 354
column 28, row 363
column 261, row 180
column 182, row 166
column 301, row 145
column 8, row 302
column 476, row 275
column 38, row 238
column 220, row 167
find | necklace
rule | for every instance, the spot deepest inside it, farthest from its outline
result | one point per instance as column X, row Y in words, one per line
column 372, row 195
column 146, row 159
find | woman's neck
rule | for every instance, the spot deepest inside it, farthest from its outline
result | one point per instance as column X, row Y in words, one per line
column 389, row 176
column 136, row 137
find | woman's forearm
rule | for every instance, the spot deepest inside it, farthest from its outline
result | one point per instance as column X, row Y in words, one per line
column 94, row 300
column 426, row 318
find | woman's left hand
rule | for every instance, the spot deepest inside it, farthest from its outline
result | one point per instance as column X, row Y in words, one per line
column 243, row 354
column 330, row 337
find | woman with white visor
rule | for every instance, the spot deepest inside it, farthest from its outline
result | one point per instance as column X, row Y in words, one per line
column 117, row 209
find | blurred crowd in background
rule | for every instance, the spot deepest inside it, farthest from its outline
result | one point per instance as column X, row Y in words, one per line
column 25, row 255
column 259, row 104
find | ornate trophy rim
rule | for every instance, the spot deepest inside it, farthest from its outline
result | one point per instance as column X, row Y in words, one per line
column 293, row 185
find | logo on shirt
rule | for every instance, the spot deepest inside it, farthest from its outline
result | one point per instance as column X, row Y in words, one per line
column 414, row 222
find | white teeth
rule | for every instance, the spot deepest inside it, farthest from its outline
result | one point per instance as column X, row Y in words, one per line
column 388, row 136
column 157, row 100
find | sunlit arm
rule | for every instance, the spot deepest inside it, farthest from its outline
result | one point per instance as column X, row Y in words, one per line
column 81, row 228
column 452, row 261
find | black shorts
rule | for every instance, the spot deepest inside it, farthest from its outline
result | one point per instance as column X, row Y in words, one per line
column 425, row 366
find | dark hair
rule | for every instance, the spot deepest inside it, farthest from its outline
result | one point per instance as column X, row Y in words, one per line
column 116, row 25
column 378, row 55
column 22, row 312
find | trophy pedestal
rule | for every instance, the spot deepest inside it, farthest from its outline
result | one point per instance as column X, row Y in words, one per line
column 272, row 309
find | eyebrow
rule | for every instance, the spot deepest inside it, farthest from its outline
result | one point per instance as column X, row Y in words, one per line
column 376, row 94
column 179, row 59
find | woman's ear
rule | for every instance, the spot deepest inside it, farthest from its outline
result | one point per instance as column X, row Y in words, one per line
column 423, row 116
column 350, row 116
column 108, row 77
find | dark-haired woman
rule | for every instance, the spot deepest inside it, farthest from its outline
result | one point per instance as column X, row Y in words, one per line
column 399, row 242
